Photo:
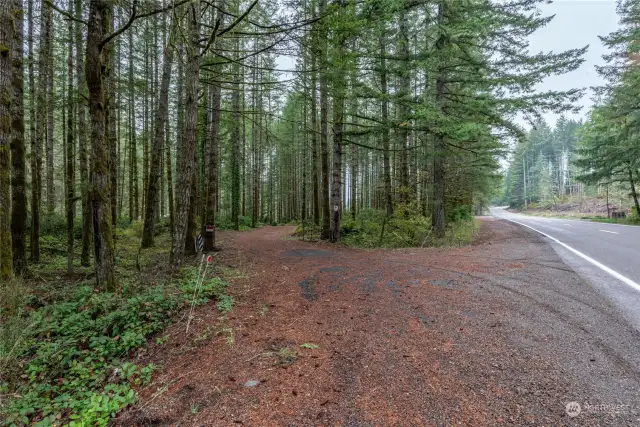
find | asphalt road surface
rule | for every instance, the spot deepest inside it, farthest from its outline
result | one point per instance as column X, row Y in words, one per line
column 608, row 255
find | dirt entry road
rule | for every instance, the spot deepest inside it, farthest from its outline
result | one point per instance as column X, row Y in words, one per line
column 497, row 333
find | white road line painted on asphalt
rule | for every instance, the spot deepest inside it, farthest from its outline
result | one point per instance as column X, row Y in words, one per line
column 583, row 221
column 601, row 266
column 607, row 231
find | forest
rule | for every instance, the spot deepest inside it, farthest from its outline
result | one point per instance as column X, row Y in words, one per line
column 129, row 128
column 597, row 158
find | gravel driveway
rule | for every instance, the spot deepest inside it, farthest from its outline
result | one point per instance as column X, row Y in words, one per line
column 500, row 332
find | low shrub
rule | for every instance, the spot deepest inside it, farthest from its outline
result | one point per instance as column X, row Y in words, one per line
column 371, row 229
column 407, row 227
column 226, row 223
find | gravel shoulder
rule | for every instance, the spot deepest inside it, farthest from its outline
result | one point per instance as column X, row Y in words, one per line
column 500, row 332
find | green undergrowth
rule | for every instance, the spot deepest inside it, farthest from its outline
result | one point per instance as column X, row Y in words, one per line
column 405, row 228
column 226, row 223
column 64, row 346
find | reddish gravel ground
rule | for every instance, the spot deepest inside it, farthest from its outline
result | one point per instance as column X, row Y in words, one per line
column 438, row 337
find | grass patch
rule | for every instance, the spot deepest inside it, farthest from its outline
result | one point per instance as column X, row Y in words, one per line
column 309, row 345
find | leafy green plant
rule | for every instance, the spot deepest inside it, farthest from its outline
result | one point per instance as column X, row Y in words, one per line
column 225, row 303
column 70, row 366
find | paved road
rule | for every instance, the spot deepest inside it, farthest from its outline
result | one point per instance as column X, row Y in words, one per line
column 606, row 254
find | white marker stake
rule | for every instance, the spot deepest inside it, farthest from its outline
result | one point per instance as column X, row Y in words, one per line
column 602, row 267
column 195, row 292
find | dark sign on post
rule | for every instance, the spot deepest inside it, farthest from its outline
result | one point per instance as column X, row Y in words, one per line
column 209, row 237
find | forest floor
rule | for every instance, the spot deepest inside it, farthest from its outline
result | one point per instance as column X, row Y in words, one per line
column 499, row 332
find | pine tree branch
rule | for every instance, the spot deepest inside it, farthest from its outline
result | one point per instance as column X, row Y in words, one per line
column 64, row 13
column 238, row 19
column 122, row 29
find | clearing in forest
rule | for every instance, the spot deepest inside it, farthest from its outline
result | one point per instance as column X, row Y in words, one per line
column 326, row 335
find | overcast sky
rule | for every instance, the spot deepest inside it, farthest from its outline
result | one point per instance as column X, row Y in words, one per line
column 577, row 23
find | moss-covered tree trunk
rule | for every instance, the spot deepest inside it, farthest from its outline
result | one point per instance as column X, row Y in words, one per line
column 354, row 199
column 82, row 143
column 98, row 23
column 404, row 98
column 33, row 163
column 145, row 118
column 18, row 167
column 156, row 149
column 337, row 130
column 211, row 159
column 41, row 130
column 324, row 145
column 6, row 99
column 47, row 49
column 70, row 147
column 437, row 213
column 235, row 142
column 111, row 80
column 314, row 127
column 169, row 166
column 386, row 165
column 186, row 167
column 133, row 148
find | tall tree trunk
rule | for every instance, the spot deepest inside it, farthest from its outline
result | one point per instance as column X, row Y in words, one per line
column 235, row 144
column 18, row 167
column 134, row 204
column 47, row 36
column 254, row 137
column 243, row 171
column 303, row 166
column 211, row 155
column 354, row 148
column 437, row 215
column 41, row 131
column 110, row 125
column 100, row 12
column 6, row 100
column 192, row 226
column 388, row 204
column 212, row 172
column 70, row 157
column 634, row 194
column 145, row 119
column 314, row 140
column 169, row 166
column 324, row 146
column 404, row 99
column 82, row 143
column 186, row 154
column 156, row 149
column 119, row 192
column 338, row 128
